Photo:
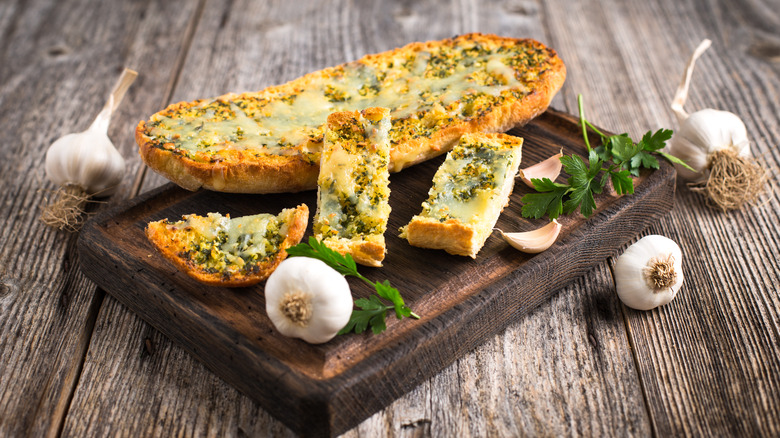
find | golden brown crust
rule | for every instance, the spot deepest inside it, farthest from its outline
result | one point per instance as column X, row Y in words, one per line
column 367, row 252
column 239, row 171
column 170, row 248
column 452, row 236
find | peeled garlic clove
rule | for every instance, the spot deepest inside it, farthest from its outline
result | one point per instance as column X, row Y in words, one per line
column 649, row 273
column 549, row 168
column 536, row 241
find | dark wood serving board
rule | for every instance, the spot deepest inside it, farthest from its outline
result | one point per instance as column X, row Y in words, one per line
column 327, row 389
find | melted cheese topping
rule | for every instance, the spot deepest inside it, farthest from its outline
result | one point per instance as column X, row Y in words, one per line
column 468, row 185
column 427, row 88
column 218, row 243
column 353, row 181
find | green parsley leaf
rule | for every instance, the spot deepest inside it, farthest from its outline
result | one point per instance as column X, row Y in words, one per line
column 622, row 182
column 549, row 201
column 372, row 314
column 655, row 142
column 622, row 147
column 345, row 265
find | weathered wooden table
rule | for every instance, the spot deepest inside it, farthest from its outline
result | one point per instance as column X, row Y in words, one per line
column 75, row 362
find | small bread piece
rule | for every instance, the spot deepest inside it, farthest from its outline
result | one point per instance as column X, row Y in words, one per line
column 270, row 141
column 469, row 191
column 221, row 251
column 353, row 193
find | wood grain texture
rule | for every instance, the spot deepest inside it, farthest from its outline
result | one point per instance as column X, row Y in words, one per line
column 707, row 363
column 59, row 62
column 716, row 345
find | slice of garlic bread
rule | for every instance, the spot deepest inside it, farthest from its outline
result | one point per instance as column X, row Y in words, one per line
column 353, row 192
column 469, row 191
column 221, row 251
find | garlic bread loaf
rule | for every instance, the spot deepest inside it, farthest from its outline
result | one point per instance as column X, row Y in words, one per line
column 270, row 140
column 353, row 192
column 470, row 189
column 221, row 251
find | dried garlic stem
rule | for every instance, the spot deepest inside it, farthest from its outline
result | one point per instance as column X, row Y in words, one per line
column 682, row 91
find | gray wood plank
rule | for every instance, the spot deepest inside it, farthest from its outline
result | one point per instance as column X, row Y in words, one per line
column 716, row 345
column 58, row 62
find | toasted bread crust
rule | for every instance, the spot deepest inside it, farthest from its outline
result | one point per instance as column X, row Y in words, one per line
column 170, row 249
column 367, row 252
column 297, row 168
column 452, row 236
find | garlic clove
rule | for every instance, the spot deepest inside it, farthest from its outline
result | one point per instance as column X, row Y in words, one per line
column 307, row 299
column 549, row 168
column 649, row 273
column 536, row 241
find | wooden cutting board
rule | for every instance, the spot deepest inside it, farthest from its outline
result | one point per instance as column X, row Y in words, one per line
column 326, row 389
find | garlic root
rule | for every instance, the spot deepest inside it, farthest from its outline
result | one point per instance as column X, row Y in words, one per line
column 65, row 212
column 733, row 181
column 549, row 168
column 536, row 241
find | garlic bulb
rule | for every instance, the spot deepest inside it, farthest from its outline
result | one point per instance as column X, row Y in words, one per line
column 703, row 134
column 85, row 164
column 87, row 159
column 649, row 273
column 536, row 241
column 307, row 299
column 715, row 144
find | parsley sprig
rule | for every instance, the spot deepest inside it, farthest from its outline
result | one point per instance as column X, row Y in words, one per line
column 616, row 159
column 373, row 311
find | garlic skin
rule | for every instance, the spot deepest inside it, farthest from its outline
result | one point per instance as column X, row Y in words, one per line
column 549, row 168
column 307, row 299
column 701, row 135
column 536, row 241
column 649, row 273
column 87, row 159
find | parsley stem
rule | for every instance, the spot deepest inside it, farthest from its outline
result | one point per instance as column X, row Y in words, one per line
column 586, row 124
column 582, row 122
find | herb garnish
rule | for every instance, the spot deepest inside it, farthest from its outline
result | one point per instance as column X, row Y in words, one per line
column 373, row 311
column 616, row 159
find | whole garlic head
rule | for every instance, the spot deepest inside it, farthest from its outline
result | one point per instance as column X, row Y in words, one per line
column 649, row 273
column 701, row 135
column 307, row 299
column 87, row 159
